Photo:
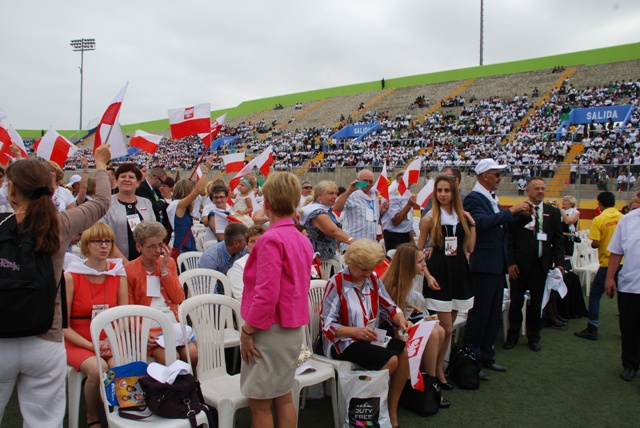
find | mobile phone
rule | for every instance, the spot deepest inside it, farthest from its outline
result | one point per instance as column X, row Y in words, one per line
column 361, row 184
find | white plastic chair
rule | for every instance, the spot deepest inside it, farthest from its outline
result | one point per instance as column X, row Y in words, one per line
column 209, row 243
column 127, row 329
column 209, row 314
column 74, row 392
column 331, row 267
column 203, row 281
column 391, row 253
column 189, row 260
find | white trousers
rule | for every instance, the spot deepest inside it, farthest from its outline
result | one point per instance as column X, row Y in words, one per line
column 39, row 367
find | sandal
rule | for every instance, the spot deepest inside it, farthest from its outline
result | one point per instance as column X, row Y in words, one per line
column 93, row 423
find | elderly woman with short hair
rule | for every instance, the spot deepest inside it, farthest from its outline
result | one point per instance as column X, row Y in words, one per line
column 153, row 281
column 358, row 287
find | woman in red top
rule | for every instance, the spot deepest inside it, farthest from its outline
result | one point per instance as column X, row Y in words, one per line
column 92, row 287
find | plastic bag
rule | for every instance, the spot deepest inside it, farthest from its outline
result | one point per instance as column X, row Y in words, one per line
column 365, row 398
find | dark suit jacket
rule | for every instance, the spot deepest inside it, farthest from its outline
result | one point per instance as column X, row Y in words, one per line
column 159, row 205
column 490, row 252
column 523, row 245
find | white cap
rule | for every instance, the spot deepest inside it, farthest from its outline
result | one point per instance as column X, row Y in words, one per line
column 74, row 179
column 486, row 165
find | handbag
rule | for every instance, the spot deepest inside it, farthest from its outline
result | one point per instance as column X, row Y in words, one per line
column 465, row 368
column 424, row 403
column 180, row 400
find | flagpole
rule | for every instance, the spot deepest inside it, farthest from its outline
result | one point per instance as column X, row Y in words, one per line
column 195, row 168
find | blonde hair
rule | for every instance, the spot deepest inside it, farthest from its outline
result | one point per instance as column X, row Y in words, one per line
column 54, row 167
column 182, row 189
column 282, row 192
column 97, row 231
column 398, row 278
column 435, row 235
column 571, row 199
column 364, row 253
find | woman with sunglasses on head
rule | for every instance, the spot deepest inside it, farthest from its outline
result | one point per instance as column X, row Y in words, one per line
column 153, row 281
column 452, row 234
column 92, row 286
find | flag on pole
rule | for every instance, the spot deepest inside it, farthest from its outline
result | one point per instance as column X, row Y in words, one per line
column 416, row 342
column 216, row 127
column 54, row 147
column 145, row 141
column 233, row 162
column 382, row 185
column 8, row 137
column 425, row 193
column 109, row 127
column 198, row 173
column 263, row 161
column 191, row 120
column 226, row 215
column 411, row 176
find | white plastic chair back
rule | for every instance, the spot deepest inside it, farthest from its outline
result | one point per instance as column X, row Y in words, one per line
column 208, row 244
column 316, row 291
column 203, row 281
column 188, row 260
column 331, row 267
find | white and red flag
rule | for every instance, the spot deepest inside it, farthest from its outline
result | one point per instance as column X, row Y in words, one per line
column 425, row 193
column 145, row 141
column 233, row 162
column 108, row 130
column 198, row 173
column 416, row 342
column 225, row 215
column 411, row 176
column 190, row 120
column 8, row 137
column 382, row 185
column 54, row 147
column 263, row 161
column 216, row 127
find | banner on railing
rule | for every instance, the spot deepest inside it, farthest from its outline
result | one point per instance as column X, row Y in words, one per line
column 358, row 131
column 619, row 114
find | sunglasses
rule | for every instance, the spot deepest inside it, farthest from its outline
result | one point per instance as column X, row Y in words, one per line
column 307, row 187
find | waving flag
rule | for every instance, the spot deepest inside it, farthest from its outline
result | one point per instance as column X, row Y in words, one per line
column 54, row 147
column 262, row 162
column 425, row 193
column 416, row 342
column 233, row 162
column 145, row 141
column 108, row 130
column 189, row 121
column 382, row 185
column 198, row 174
column 216, row 127
column 411, row 176
column 8, row 137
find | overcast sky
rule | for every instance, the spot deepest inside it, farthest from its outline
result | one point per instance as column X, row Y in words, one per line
column 177, row 53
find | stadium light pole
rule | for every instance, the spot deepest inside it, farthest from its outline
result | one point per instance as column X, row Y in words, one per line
column 82, row 45
column 481, row 30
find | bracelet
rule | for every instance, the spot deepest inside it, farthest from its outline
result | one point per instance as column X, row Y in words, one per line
column 472, row 225
column 165, row 273
column 245, row 332
column 350, row 239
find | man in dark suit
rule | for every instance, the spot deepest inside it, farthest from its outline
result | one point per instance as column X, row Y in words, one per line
column 488, row 261
column 534, row 249
column 149, row 188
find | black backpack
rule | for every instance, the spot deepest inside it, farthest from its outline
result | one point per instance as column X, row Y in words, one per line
column 27, row 283
column 464, row 368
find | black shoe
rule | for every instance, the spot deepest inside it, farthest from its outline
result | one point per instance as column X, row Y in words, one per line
column 535, row 346
column 444, row 403
column 495, row 367
column 483, row 376
column 510, row 344
column 446, row 386
column 557, row 324
column 591, row 333
column 628, row 374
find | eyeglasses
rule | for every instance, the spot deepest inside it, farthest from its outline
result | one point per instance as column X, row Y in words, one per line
column 307, row 187
column 101, row 242
column 159, row 179
column 156, row 247
column 218, row 197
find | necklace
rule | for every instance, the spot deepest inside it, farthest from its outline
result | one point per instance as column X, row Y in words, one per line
column 149, row 271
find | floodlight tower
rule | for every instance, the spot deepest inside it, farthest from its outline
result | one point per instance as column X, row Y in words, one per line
column 481, row 29
column 82, row 45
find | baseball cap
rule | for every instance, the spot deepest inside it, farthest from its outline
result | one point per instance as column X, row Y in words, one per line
column 74, row 179
column 486, row 165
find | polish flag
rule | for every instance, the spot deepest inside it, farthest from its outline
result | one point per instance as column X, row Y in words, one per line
column 263, row 161
column 225, row 215
column 425, row 193
column 191, row 120
column 233, row 162
column 416, row 342
column 382, row 185
column 216, row 127
column 145, row 141
column 411, row 176
column 109, row 128
column 8, row 137
column 54, row 147
column 198, row 173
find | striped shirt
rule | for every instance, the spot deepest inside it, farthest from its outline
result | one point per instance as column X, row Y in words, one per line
column 344, row 304
column 361, row 214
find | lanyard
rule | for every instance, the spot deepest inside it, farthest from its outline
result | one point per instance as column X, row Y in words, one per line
column 366, row 312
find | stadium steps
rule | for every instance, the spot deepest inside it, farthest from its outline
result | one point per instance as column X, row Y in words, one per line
column 557, row 185
column 296, row 117
column 372, row 103
column 436, row 105
column 602, row 74
column 541, row 100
